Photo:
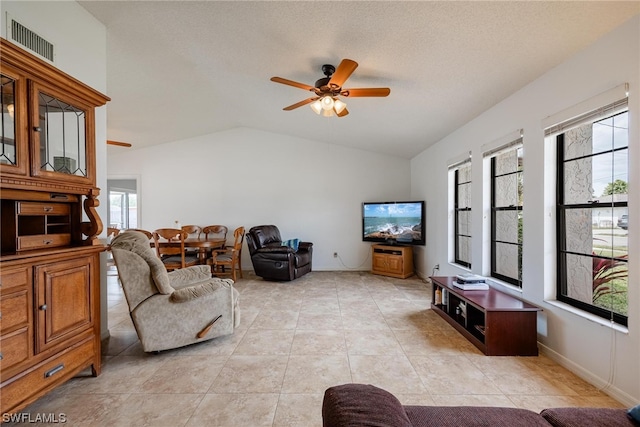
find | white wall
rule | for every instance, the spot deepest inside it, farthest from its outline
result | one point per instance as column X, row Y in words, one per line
column 81, row 51
column 310, row 190
column 587, row 347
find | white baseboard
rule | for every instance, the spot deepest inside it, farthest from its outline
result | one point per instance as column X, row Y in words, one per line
column 588, row 376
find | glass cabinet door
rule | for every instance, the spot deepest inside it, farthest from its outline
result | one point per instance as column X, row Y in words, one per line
column 13, row 143
column 61, row 135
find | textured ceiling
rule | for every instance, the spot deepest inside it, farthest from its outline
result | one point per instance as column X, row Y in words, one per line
column 179, row 69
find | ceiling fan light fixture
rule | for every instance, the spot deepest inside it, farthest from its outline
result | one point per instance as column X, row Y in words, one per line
column 327, row 113
column 339, row 106
column 316, row 106
column 327, row 103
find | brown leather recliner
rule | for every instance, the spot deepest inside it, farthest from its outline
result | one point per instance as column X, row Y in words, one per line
column 273, row 261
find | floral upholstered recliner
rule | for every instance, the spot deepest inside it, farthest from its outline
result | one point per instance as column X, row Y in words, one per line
column 174, row 309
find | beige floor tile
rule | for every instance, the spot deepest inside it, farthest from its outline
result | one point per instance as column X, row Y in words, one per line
column 119, row 341
column 392, row 373
column 452, row 375
column 251, row 374
column 276, row 319
column 530, row 384
column 235, row 410
column 372, row 342
column 185, row 374
column 154, row 410
column 363, row 321
column 274, row 369
column 265, row 342
column 318, row 320
column 77, row 410
column 314, row 374
column 298, row 410
column 423, row 399
column 122, row 374
column 318, row 342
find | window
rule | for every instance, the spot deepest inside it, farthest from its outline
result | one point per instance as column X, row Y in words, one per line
column 592, row 214
column 506, row 214
column 462, row 214
column 122, row 203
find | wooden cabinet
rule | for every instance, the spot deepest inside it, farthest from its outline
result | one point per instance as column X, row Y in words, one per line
column 393, row 261
column 49, row 260
column 496, row 323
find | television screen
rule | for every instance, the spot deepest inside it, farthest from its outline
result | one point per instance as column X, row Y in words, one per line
column 393, row 222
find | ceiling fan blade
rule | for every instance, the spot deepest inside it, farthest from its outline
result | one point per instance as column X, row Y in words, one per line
column 342, row 113
column 300, row 104
column 291, row 83
column 342, row 73
column 360, row 92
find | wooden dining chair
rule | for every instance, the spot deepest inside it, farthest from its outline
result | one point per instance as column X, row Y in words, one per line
column 145, row 232
column 228, row 261
column 169, row 244
column 218, row 231
column 193, row 231
column 112, row 232
column 214, row 232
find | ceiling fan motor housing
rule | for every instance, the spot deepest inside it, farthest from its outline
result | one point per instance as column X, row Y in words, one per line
column 328, row 71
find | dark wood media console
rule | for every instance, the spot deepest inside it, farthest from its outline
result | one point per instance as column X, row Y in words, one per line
column 495, row 322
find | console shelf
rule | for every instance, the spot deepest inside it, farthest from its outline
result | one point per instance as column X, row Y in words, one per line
column 496, row 323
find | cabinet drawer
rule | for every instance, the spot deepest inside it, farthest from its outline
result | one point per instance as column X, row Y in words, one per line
column 34, row 208
column 14, row 279
column 48, row 373
column 15, row 348
column 40, row 241
column 15, row 310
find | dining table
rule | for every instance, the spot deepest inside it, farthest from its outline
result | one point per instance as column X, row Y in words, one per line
column 201, row 243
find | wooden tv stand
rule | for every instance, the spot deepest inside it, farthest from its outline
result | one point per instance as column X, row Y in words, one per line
column 495, row 322
column 392, row 260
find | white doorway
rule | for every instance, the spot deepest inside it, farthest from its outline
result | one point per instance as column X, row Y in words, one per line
column 123, row 203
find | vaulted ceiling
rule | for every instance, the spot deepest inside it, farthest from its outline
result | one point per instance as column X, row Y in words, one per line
column 180, row 69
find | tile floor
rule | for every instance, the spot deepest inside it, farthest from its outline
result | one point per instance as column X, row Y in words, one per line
column 295, row 340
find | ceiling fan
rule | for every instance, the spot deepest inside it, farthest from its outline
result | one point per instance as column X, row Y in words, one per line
column 328, row 88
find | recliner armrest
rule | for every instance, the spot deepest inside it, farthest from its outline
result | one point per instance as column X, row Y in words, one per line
column 185, row 276
column 200, row 290
column 305, row 246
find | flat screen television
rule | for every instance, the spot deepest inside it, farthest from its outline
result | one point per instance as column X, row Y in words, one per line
column 393, row 223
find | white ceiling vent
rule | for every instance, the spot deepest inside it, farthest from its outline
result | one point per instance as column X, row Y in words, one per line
column 28, row 39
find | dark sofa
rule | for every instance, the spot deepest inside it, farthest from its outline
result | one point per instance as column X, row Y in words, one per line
column 273, row 261
column 366, row 405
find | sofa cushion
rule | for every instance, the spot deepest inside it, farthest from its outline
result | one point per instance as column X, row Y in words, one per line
column 588, row 417
column 362, row 405
column 473, row 416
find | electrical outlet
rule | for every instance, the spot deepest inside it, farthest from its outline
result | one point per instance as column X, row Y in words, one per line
column 335, row 254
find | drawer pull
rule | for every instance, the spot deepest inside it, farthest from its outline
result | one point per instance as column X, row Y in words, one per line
column 37, row 128
column 43, row 307
column 48, row 208
column 54, row 371
column 47, row 241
